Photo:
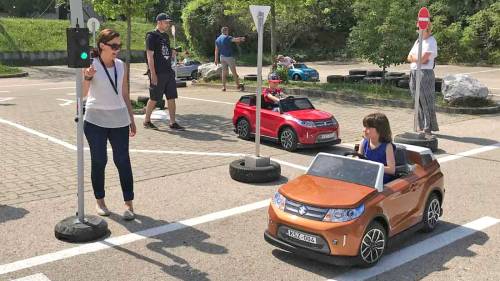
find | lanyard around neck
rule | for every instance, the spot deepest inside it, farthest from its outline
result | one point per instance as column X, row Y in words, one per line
column 113, row 84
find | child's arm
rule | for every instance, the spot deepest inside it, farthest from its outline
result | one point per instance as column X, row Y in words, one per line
column 391, row 160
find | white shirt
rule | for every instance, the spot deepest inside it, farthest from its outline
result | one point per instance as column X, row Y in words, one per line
column 104, row 107
column 429, row 45
column 287, row 62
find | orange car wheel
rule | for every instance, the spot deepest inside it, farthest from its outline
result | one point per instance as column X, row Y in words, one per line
column 431, row 213
column 372, row 245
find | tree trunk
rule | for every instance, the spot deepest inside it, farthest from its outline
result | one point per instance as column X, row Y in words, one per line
column 273, row 30
column 129, row 35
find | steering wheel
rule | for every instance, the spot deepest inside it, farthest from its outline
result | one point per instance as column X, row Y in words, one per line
column 360, row 156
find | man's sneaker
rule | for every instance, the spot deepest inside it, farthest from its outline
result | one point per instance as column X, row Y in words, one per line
column 176, row 126
column 149, row 125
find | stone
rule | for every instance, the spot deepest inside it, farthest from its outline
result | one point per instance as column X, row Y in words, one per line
column 210, row 71
column 461, row 86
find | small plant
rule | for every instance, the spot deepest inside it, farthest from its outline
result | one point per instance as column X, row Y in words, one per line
column 282, row 73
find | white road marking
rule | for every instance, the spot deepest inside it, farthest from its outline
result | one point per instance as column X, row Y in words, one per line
column 6, row 99
column 482, row 71
column 128, row 238
column 66, row 102
column 58, row 88
column 469, row 153
column 214, row 101
column 35, row 277
column 35, row 84
column 419, row 249
column 71, row 94
column 4, row 91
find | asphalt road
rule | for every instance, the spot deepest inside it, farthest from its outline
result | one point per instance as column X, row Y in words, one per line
column 194, row 222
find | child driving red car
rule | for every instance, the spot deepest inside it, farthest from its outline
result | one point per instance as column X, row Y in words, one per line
column 273, row 94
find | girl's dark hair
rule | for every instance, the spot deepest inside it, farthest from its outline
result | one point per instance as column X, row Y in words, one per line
column 380, row 122
column 104, row 36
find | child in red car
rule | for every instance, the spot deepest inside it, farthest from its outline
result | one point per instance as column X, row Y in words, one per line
column 273, row 94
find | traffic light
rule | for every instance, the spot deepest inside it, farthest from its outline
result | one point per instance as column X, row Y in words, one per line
column 78, row 47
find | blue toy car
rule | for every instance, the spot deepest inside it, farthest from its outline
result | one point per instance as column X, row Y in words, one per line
column 301, row 72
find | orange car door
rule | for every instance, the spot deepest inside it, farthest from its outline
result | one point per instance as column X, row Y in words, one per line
column 400, row 202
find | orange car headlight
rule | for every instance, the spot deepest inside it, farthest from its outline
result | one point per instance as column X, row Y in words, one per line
column 279, row 201
column 343, row 215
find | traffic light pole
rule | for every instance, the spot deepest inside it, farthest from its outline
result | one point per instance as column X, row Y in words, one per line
column 79, row 228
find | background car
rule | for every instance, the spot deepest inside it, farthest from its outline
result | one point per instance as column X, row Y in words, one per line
column 340, row 211
column 301, row 72
column 188, row 70
column 294, row 124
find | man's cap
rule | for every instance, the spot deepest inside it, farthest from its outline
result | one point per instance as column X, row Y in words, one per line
column 163, row 16
column 274, row 77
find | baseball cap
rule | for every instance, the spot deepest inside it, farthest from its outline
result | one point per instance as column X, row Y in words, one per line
column 163, row 16
column 274, row 77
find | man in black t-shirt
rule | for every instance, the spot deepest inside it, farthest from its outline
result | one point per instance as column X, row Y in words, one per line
column 162, row 76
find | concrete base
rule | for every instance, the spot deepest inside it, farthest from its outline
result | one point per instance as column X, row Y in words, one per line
column 252, row 161
column 418, row 139
column 72, row 230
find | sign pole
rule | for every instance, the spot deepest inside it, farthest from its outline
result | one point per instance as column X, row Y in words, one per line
column 260, row 27
column 419, row 79
column 80, row 228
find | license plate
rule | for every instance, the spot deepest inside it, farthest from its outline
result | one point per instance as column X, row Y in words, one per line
column 301, row 236
column 328, row 136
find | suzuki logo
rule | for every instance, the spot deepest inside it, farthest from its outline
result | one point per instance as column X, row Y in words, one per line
column 302, row 210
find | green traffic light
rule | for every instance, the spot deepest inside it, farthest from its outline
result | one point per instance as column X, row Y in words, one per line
column 84, row 55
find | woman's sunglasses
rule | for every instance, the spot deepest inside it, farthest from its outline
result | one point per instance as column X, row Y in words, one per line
column 114, row 46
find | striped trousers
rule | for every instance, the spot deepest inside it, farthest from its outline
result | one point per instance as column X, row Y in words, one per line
column 427, row 121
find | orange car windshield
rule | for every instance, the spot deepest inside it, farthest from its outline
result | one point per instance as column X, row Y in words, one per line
column 345, row 169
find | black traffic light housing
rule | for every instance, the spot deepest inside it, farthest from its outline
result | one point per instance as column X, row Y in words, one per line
column 78, row 47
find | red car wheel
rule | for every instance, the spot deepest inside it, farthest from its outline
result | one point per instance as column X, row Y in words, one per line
column 288, row 139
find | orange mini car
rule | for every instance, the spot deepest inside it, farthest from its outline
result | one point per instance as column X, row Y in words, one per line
column 340, row 212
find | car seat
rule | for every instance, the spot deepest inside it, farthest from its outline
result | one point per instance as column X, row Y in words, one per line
column 402, row 166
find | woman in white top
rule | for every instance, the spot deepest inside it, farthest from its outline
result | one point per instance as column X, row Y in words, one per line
column 108, row 116
column 427, row 121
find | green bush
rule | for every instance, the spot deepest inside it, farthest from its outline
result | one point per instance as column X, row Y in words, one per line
column 9, row 70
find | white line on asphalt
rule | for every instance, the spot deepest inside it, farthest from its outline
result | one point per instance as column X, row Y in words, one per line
column 188, row 153
column 66, row 102
column 469, row 153
column 6, row 99
column 128, row 238
column 419, row 249
column 58, row 88
column 4, row 91
column 35, row 84
column 35, row 277
column 71, row 94
column 214, row 101
column 491, row 70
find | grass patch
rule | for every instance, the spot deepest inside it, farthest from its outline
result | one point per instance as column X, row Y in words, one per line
column 470, row 102
column 4, row 70
column 35, row 35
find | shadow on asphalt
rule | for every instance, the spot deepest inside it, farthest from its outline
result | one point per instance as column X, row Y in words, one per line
column 416, row 270
column 472, row 140
column 8, row 213
column 173, row 265
column 202, row 127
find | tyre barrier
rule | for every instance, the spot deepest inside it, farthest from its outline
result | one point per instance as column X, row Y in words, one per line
column 372, row 80
column 335, row 78
column 418, row 140
column 375, row 73
column 250, row 77
column 239, row 172
column 405, row 84
column 357, row 72
column 395, row 74
column 355, row 78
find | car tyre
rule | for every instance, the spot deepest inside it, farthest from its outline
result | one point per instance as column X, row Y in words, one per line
column 239, row 172
column 372, row 245
column 335, row 78
column 243, row 128
column 357, row 72
column 296, row 77
column 194, row 74
column 432, row 212
column 288, row 139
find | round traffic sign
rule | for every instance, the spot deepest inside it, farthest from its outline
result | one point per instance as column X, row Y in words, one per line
column 93, row 25
column 423, row 18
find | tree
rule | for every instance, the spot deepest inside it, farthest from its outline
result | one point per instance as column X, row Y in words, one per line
column 385, row 30
column 296, row 8
column 129, row 8
column 25, row 8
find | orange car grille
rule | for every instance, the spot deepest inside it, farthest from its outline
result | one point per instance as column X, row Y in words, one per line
column 305, row 211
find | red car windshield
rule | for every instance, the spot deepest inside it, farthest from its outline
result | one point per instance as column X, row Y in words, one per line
column 293, row 104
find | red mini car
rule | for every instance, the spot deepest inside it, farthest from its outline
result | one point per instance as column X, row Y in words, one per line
column 294, row 123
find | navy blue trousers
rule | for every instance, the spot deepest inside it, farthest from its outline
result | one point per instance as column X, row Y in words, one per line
column 98, row 137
